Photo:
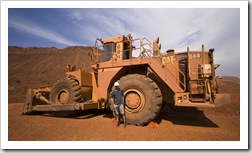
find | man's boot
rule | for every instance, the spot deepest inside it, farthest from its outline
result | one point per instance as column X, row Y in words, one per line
column 118, row 122
column 125, row 124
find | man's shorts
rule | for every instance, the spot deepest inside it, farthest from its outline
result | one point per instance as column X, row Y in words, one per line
column 119, row 109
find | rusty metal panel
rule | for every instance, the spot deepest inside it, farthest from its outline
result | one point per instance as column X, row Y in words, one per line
column 54, row 107
column 196, row 87
column 181, row 98
column 128, row 62
column 104, row 78
column 95, row 93
column 43, row 89
column 220, row 100
column 194, row 68
column 84, row 78
column 67, row 107
column 119, row 51
column 86, row 93
column 86, row 105
column 76, row 74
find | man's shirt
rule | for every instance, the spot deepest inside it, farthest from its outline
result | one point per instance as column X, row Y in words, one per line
column 117, row 95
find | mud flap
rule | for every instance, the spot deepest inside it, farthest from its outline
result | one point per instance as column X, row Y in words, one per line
column 221, row 99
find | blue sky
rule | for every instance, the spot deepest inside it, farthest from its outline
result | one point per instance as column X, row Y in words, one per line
column 217, row 28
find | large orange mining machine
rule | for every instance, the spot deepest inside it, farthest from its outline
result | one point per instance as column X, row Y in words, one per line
column 147, row 76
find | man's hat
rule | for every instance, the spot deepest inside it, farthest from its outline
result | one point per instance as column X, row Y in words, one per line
column 116, row 84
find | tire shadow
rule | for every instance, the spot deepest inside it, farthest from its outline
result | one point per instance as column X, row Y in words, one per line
column 78, row 114
column 176, row 115
column 187, row 116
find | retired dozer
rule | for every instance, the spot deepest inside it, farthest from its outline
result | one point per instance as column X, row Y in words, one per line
column 147, row 76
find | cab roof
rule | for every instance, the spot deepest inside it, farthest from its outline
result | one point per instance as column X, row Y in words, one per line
column 115, row 39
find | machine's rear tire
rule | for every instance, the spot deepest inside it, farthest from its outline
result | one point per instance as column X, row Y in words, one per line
column 143, row 99
column 66, row 91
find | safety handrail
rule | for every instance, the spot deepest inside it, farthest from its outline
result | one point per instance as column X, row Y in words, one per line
column 160, row 56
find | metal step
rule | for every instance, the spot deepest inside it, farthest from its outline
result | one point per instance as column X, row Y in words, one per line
column 204, row 104
column 199, row 100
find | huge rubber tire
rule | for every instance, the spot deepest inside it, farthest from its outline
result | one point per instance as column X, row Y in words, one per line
column 142, row 97
column 66, row 91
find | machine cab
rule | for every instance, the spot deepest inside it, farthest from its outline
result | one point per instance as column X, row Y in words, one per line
column 115, row 48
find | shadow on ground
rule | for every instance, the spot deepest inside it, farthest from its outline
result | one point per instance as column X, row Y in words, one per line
column 185, row 116
column 78, row 114
column 176, row 115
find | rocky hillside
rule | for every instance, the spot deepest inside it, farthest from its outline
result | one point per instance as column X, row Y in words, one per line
column 33, row 66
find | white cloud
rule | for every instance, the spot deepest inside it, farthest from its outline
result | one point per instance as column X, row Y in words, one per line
column 176, row 28
column 75, row 15
column 30, row 27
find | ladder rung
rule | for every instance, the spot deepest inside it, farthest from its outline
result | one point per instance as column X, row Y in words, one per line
column 198, row 99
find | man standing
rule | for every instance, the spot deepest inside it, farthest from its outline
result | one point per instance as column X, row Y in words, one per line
column 118, row 102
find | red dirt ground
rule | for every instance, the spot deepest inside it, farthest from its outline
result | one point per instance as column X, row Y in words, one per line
column 33, row 67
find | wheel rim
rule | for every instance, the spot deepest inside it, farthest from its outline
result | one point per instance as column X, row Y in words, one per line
column 134, row 100
column 63, row 96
